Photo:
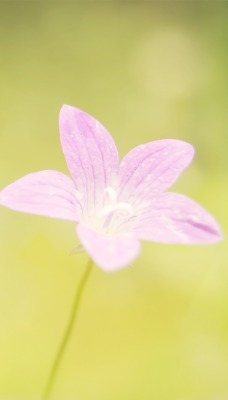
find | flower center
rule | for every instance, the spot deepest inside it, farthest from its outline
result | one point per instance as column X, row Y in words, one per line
column 115, row 216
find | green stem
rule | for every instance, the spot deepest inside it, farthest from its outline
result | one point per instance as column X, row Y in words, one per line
column 68, row 331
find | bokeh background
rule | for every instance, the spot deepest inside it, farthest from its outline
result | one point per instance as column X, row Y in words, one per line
column 157, row 330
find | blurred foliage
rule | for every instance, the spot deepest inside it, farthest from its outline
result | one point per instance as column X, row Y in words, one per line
column 146, row 70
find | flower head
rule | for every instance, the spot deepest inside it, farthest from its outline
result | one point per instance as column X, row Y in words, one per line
column 114, row 205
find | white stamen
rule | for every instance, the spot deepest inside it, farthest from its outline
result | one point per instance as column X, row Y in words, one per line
column 112, row 196
column 114, row 214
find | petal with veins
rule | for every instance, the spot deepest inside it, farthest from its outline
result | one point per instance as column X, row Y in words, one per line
column 174, row 218
column 109, row 252
column 151, row 168
column 90, row 152
column 49, row 193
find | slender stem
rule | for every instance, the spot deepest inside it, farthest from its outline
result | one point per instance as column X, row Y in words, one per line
column 68, row 331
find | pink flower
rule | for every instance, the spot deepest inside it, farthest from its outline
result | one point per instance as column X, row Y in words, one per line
column 115, row 205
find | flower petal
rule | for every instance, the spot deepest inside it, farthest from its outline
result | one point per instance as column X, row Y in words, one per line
column 151, row 168
column 109, row 252
column 174, row 218
column 48, row 193
column 90, row 152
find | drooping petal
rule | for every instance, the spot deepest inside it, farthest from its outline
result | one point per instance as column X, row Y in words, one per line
column 109, row 252
column 174, row 218
column 151, row 168
column 90, row 152
column 48, row 193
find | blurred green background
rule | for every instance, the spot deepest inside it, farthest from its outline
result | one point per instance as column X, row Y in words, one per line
column 147, row 70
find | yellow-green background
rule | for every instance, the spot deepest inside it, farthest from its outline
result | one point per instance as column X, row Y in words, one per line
column 147, row 70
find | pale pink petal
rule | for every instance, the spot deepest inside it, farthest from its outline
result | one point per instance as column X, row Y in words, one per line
column 109, row 252
column 48, row 193
column 174, row 218
column 151, row 168
column 90, row 152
